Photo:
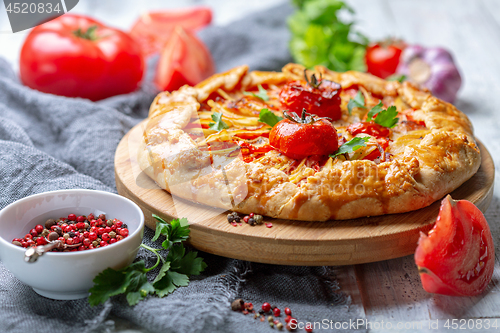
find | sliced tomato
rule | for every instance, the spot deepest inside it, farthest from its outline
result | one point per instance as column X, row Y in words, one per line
column 457, row 257
column 382, row 59
column 183, row 60
column 153, row 29
column 370, row 128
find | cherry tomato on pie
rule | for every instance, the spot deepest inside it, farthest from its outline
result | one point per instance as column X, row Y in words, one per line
column 153, row 29
column 369, row 128
column 321, row 98
column 183, row 60
column 302, row 137
column 382, row 59
column 457, row 256
column 76, row 56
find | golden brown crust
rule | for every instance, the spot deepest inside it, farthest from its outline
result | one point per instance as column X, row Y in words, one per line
column 426, row 164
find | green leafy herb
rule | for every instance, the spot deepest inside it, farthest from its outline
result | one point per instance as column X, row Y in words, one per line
column 268, row 117
column 322, row 36
column 262, row 94
column 132, row 280
column 397, row 77
column 351, row 145
column 374, row 111
column 219, row 125
column 387, row 118
column 357, row 102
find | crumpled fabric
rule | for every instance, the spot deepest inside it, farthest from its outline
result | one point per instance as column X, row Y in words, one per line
column 50, row 143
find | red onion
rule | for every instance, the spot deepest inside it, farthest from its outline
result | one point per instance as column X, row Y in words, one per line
column 433, row 68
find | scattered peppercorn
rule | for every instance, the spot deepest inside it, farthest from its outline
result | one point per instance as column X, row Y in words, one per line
column 276, row 312
column 309, row 328
column 237, row 305
column 271, row 324
column 270, row 319
column 266, row 307
column 279, row 326
column 258, row 219
column 288, row 312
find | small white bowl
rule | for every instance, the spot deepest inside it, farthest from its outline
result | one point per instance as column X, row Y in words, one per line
column 67, row 275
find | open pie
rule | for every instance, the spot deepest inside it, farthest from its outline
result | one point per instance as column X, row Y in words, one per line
column 398, row 148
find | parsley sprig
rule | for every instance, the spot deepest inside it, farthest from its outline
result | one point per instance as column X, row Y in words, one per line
column 262, row 94
column 385, row 117
column 357, row 102
column 219, row 125
column 351, row 146
column 268, row 117
column 132, row 280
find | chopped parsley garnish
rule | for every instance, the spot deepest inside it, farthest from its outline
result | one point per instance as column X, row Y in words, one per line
column 219, row 125
column 387, row 118
column 352, row 145
column 262, row 94
column 132, row 280
column 357, row 102
column 268, row 117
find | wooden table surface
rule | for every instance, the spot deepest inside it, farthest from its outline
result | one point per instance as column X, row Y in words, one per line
column 391, row 290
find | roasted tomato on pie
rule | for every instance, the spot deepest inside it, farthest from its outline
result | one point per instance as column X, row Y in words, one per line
column 307, row 145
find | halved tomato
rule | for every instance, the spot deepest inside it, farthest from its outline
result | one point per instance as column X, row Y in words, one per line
column 458, row 256
column 153, row 29
column 183, row 60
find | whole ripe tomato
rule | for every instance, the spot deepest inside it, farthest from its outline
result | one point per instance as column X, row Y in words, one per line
column 321, row 98
column 382, row 59
column 458, row 256
column 76, row 56
column 302, row 137
column 153, row 29
column 183, row 60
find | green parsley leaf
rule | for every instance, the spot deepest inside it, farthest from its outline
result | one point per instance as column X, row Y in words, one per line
column 268, row 117
column 219, row 125
column 132, row 280
column 357, row 102
column 170, row 282
column 110, row 282
column 387, row 118
column 397, row 77
column 351, row 145
column 374, row 111
column 190, row 264
column 262, row 94
column 176, row 231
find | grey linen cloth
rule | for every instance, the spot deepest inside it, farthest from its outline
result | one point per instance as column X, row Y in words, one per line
column 51, row 143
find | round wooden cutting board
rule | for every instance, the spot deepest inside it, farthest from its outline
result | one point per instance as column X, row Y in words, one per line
column 290, row 242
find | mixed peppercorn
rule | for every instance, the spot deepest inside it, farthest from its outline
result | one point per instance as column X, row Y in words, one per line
column 269, row 310
column 76, row 233
column 252, row 219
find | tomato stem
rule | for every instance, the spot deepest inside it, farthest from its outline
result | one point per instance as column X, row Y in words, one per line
column 90, row 34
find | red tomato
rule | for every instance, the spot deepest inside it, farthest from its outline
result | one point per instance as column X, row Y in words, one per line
column 383, row 143
column 382, row 59
column 369, row 128
column 458, row 256
column 183, row 60
column 322, row 100
column 153, row 29
column 299, row 140
column 76, row 56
